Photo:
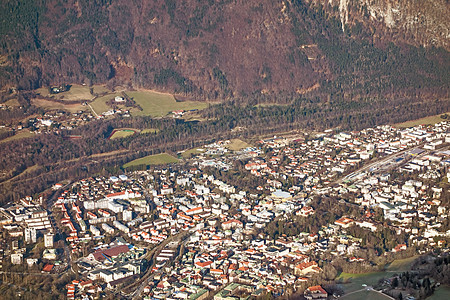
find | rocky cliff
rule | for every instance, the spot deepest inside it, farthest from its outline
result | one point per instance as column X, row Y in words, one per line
column 423, row 23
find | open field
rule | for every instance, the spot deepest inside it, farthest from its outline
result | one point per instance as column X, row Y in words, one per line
column 76, row 92
column 194, row 116
column 158, row 159
column 115, row 152
column 357, row 280
column 56, row 105
column 150, row 130
column 401, row 265
column 99, row 104
column 12, row 103
column 122, row 133
column 237, row 144
column 365, row 295
column 159, row 104
column 20, row 135
column 152, row 103
column 100, row 89
column 191, row 152
column 442, row 292
column 427, row 120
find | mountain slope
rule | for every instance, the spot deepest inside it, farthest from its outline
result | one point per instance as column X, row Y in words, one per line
column 230, row 49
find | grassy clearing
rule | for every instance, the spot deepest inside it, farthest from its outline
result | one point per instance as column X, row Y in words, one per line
column 191, row 152
column 237, row 144
column 12, row 103
column 158, row 159
column 159, row 104
column 56, row 105
column 423, row 121
column 100, row 89
column 30, row 169
column 99, row 104
column 115, row 152
column 122, row 133
column 150, row 130
column 365, row 295
column 125, row 132
column 77, row 92
column 269, row 104
column 357, row 280
column 401, row 265
column 194, row 116
column 20, row 135
column 442, row 292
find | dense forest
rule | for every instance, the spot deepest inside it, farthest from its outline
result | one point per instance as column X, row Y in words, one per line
column 228, row 49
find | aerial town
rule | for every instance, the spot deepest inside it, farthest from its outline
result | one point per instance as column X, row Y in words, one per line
column 245, row 224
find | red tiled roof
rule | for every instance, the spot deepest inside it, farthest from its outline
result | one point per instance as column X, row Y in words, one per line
column 203, row 264
column 317, row 288
column 86, row 283
column 233, row 221
column 115, row 194
column 305, row 265
column 194, row 209
column 47, row 268
column 111, row 252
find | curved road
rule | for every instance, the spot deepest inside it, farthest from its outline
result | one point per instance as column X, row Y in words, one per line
column 368, row 288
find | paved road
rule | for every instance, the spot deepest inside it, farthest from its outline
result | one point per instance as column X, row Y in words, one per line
column 368, row 288
column 384, row 160
column 149, row 276
column 50, row 202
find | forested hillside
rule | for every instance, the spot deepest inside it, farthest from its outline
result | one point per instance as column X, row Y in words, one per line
column 230, row 49
column 347, row 64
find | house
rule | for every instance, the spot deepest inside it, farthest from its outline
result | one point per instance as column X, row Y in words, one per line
column 17, row 258
column 32, row 261
column 48, row 268
column 205, row 264
column 178, row 113
column 399, row 248
column 110, row 253
column 344, row 222
column 194, row 211
column 119, row 99
column 106, row 275
column 231, row 224
column 49, row 254
column 305, row 211
column 305, row 268
column 315, row 292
